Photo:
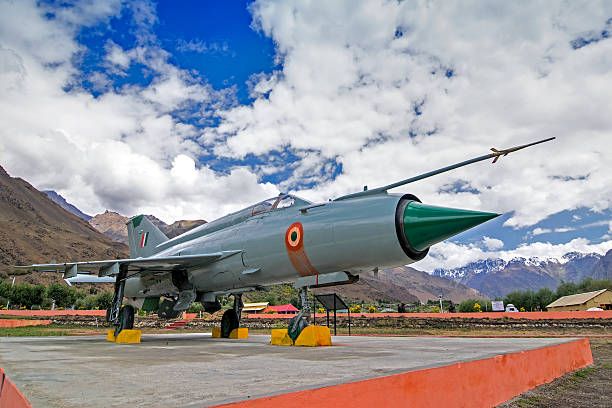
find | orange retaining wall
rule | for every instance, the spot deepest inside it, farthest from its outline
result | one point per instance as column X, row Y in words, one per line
column 22, row 323
column 10, row 396
column 480, row 383
column 606, row 314
column 53, row 313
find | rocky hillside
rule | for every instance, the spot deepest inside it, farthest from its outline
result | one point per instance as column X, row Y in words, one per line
column 35, row 229
column 58, row 199
column 496, row 277
column 113, row 226
column 403, row 284
column 425, row 286
column 603, row 268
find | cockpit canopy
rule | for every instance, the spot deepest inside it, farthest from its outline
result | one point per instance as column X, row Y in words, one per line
column 278, row 203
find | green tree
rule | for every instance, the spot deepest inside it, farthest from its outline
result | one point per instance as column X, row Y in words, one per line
column 544, row 297
column 64, row 296
column 27, row 295
column 104, row 300
column 6, row 289
column 566, row 288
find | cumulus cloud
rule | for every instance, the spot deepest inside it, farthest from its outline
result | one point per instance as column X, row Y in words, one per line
column 394, row 89
column 453, row 255
column 492, row 243
column 125, row 149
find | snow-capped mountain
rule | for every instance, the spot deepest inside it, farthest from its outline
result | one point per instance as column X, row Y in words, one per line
column 497, row 277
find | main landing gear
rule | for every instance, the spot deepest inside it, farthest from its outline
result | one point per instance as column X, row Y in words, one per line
column 122, row 317
column 302, row 320
column 231, row 317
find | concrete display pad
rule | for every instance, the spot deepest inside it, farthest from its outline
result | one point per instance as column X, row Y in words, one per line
column 195, row 370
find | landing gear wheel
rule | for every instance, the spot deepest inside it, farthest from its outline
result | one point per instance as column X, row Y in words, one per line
column 296, row 325
column 166, row 310
column 229, row 322
column 126, row 318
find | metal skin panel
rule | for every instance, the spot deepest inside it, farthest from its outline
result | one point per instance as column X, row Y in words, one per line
column 353, row 235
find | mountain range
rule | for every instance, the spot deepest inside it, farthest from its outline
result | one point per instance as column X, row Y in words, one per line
column 61, row 201
column 112, row 224
column 34, row 229
column 497, row 277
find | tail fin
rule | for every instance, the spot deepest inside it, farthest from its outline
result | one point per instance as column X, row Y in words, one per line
column 143, row 237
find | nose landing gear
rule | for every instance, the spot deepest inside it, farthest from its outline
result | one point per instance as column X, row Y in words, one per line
column 302, row 320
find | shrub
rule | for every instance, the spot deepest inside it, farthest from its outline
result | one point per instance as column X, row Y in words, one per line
column 469, row 305
column 196, row 307
column 103, row 300
column 46, row 303
column 371, row 309
column 36, row 307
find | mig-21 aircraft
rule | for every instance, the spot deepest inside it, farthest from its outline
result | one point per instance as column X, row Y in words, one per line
column 285, row 239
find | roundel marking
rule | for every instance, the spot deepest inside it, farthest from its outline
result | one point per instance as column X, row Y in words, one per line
column 293, row 236
column 294, row 243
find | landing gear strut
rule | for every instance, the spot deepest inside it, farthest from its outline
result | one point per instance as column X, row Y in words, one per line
column 120, row 317
column 299, row 322
column 231, row 317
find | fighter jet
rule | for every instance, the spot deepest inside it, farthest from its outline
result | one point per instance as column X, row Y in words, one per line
column 285, row 239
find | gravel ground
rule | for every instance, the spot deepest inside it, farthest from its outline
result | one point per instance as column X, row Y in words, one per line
column 588, row 387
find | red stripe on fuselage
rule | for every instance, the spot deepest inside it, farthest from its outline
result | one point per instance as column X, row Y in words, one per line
column 296, row 253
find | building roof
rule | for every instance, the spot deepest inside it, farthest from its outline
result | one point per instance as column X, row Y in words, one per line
column 282, row 308
column 576, row 299
column 254, row 307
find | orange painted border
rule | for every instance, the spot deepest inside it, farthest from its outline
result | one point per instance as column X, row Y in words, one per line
column 606, row 314
column 480, row 383
column 10, row 396
column 23, row 323
column 53, row 312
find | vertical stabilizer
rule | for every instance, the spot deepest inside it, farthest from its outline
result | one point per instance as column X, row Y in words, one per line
column 143, row 237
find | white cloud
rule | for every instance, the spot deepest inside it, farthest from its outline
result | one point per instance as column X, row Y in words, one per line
column 123, row 150
column 492, row 243
column 353, row 73
column 564, row 229
column 540, row 231
column 451, row 255
column 362, row 84
column 115, row 55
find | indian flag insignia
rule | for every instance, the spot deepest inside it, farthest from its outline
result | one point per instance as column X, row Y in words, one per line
column 143, row 239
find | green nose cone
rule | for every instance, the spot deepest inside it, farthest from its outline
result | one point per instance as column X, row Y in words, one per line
column 425, row 225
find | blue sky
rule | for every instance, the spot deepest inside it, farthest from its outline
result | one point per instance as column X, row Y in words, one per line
column 214, row 38
column 198, row 108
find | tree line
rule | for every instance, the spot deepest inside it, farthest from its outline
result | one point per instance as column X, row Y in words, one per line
column 528, row 300
column 30, row 296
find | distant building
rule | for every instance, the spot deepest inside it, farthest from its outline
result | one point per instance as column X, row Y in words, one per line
column 583, row 301
column 255, row 307
column 282, row 309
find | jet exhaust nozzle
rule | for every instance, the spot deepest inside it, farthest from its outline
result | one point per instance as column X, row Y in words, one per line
column 421, row 225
